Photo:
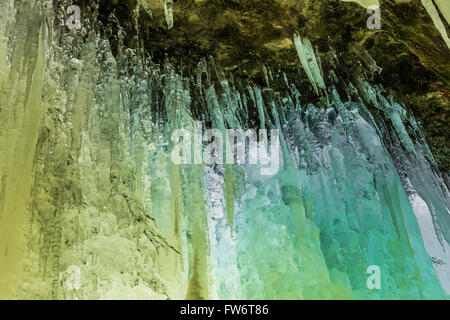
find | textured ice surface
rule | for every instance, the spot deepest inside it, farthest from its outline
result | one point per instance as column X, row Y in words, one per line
column 86, row 181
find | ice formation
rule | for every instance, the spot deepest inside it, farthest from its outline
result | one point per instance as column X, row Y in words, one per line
column 434, row 15
column 168, row 11
column 308, row 59
column 86, row 181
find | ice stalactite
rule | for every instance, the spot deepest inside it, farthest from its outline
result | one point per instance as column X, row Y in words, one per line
column 343, row 185
column 444, row 8
column 88, row 182
column 168, row 11
column 309, row 62
column 366, row 58
column 434, row 15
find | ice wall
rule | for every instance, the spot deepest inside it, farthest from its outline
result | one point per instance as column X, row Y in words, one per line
column 340, row 206
column 76, row 142
column 88, row 186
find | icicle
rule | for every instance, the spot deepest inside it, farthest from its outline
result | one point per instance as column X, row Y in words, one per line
column 285, row 79
column 343, row 112
column 319, row 62
column 202, row 68
column 221, row 76
column 434, row 14
column 168, row 11
column 444, row 8
column 260, row 105
column 308, row 60
column 266, row 76
column 367, row 58
column 332, row 76
column 398, row 115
